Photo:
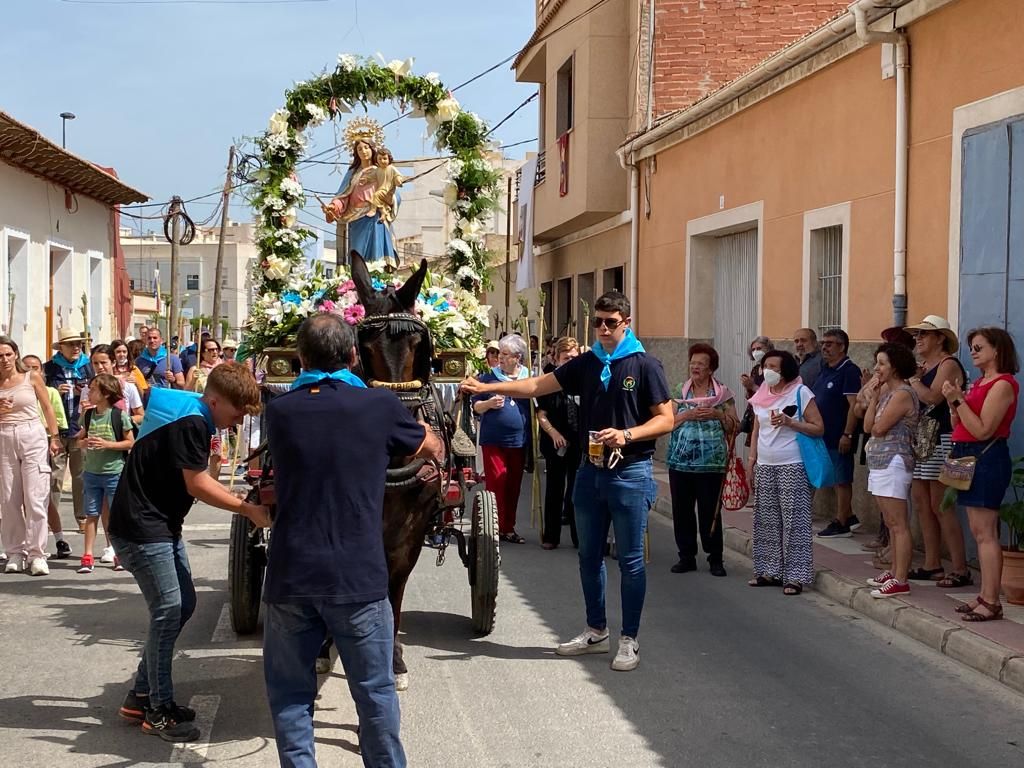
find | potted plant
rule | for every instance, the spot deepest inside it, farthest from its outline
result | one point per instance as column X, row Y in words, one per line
column 1012, row 513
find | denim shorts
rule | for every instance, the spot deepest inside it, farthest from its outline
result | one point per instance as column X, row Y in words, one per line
column 842, row 464
column 95, row 488
column 991, row 473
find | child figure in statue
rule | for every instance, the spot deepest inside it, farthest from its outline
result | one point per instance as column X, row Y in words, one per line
column 389, row 179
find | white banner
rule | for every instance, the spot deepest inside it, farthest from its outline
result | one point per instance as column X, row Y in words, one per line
column 524, row 274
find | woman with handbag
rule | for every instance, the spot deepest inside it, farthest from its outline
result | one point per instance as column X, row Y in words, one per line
column 891, row 420
column 979, row 466
column 935, row 344
column 782, row 541
column 697, row 455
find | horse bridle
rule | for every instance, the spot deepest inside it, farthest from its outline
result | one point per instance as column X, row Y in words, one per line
column 415, row 394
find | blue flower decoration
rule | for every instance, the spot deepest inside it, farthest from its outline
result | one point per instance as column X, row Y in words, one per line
column 377, row 283
column 291, row 297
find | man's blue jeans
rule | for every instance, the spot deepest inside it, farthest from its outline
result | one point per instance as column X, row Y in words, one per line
column 621, row 497
column 163, row 574
column 364, row 636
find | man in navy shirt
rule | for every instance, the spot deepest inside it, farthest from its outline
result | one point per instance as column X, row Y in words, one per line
column 835, row 392
column 624, row 407
column 331, row 440
column 160, row 368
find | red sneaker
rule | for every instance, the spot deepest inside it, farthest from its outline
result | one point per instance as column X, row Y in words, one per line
column 87, row 564
column 892, row 588
column 880, row 579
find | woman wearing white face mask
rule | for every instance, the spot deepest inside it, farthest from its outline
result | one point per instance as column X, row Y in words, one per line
column 758, row 348
column 782, row 541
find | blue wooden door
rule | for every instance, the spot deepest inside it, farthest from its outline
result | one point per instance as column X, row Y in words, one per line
column 992, row 239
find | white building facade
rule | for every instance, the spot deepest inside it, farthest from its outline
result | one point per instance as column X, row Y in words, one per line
column 58, row 241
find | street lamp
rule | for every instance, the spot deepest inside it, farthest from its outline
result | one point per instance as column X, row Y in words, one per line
column 64, row 117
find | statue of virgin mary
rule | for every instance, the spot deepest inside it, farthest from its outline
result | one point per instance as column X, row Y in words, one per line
column 358, row 202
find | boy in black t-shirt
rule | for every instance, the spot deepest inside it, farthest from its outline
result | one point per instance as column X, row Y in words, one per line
column 624, row 407
column 165, row 473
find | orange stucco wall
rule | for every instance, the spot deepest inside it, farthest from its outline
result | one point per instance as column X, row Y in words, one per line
column 829, row 139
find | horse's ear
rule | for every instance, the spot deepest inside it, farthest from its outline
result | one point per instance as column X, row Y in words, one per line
column 411, row 289
column 361, row 277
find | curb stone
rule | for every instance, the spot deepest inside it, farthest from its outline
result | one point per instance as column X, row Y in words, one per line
column 980, row 654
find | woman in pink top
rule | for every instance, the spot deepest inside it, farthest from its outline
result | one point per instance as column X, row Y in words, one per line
column 24, row 466
column 981, row 424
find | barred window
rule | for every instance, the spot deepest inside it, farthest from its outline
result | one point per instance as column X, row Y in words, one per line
column 826, row 278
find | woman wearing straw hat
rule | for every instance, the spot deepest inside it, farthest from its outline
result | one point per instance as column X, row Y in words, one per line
column 935, row 345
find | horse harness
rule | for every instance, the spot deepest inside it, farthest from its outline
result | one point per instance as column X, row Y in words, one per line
column 419, row 397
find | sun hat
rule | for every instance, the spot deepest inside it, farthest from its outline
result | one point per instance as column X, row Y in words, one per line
column 69, row 336
column 491, row 344
column 229, row 343
column 940, row 325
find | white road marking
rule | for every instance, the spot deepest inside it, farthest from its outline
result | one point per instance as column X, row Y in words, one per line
column 253, row 651
column 195, row 752
column 196, row 527
column 223, row 633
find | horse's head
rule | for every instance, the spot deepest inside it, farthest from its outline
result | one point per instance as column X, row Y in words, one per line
column 394, row 344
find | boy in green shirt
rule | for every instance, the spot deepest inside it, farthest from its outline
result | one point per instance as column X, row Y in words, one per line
column 106, row 444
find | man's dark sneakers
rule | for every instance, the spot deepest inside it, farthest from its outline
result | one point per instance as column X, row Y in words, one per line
column 853, row 522
column 717, row 568
column 684, row 566
column 165, row 722
column 835, row 530
column 63, row 551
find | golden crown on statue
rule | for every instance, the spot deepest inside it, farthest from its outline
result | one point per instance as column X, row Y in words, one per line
column 363, row 129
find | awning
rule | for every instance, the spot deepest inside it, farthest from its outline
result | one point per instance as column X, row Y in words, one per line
column 25, row 148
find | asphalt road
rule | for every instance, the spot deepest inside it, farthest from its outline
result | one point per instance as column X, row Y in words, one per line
column 729, row 676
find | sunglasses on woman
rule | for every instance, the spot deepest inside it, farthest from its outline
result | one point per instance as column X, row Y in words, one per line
column 212, row 349
column 608, row 322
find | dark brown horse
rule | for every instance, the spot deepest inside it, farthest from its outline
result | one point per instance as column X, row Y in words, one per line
column 396, row 352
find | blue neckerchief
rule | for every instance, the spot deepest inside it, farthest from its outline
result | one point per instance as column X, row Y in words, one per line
column 630, row 345
column 74, row 367
column 154, row 359
column 500, row 375
column 166, row 406
column 313, row 376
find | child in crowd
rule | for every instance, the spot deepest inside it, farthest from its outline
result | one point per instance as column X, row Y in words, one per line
column 106, row 436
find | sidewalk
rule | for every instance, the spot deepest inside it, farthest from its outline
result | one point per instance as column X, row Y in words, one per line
column 994, row 648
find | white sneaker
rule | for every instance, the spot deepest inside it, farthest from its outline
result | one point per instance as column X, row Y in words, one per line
column 628, row 656
column 15, row 565
column 38, row 567
column 589, row 641
column 107, row 556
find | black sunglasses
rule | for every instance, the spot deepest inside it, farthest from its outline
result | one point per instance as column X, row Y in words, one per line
column 976, row 348
column 608, row 322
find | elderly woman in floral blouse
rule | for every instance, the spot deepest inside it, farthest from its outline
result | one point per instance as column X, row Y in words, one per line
column 697, row 455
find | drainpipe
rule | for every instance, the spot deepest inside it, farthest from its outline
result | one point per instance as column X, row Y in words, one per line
column 859, row 10
column 634, row 230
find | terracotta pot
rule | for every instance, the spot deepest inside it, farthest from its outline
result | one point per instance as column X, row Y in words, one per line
column 1013, row 576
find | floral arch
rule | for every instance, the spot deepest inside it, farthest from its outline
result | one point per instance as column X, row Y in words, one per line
column 288, row 289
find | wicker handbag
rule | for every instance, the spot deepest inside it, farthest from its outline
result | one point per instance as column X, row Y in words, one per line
column 462, row 443
column 959, row 473
column 927, row 435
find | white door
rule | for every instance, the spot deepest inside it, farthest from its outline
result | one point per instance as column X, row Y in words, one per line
column 735, row 308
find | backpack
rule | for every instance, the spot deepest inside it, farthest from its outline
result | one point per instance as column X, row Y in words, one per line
column 115, row 422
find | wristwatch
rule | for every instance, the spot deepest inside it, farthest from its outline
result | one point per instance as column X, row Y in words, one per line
column 848, row 434
column 627, row 436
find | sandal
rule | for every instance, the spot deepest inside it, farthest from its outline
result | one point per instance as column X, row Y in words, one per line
column 995, row 612
column 966, row 607
column 956, row 580
column 764, row 581
column 512, row 538
column 927, row 574
column 793, row 589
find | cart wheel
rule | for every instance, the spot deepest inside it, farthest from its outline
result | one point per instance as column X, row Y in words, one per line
column 484, row 561
column 245, row 577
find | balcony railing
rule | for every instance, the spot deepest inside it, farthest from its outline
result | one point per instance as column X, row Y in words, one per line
column 542, row 169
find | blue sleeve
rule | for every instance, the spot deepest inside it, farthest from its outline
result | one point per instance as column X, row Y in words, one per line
column 175, row 364
column 851, row 380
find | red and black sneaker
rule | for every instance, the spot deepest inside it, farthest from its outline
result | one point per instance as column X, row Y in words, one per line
column 166, row 723
column 892, row 588
column 134, row 707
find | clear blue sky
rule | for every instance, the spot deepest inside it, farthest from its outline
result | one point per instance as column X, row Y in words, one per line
column 161, row 90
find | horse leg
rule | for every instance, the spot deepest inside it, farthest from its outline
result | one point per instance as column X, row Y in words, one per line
column 396, row 593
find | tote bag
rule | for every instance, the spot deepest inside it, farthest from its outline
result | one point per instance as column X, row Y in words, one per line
column 817, row 462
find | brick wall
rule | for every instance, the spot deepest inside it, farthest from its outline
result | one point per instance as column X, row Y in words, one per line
column 700, row 45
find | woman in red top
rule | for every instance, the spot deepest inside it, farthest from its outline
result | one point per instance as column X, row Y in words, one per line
column 981, row 424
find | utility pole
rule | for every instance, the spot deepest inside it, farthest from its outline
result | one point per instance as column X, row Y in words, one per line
column 508, row 251
column 217, row 329
column 172, row 310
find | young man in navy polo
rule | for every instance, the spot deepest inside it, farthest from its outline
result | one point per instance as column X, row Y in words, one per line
column 624, row 407
column 331, row 439
column 835, row 392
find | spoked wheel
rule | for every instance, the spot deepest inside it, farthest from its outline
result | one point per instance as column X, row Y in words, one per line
column 245, row 576
column 484, row 561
